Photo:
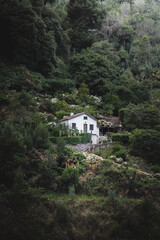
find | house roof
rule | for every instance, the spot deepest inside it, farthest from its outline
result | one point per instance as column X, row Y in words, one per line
column 76, row 115
column 114, row 120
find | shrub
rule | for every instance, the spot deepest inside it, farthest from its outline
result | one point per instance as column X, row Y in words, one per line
column 55, row 132
column 83, row 138
column 41, row 137
column 61, row 152
column 60, row 114
column 70, row 176
column 86, row 137
column 117, row 148
column 121, row 154
column 145, row 143
column 155, row 168
column 62, row 215
column 72, row 192
column 121, row 138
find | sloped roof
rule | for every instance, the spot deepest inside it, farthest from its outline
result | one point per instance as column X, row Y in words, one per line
column 114, row 120
column 76, row 115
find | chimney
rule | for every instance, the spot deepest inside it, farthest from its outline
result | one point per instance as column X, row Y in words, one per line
column 72, row 113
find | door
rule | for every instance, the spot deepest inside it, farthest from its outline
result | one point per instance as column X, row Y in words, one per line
column 85, row 128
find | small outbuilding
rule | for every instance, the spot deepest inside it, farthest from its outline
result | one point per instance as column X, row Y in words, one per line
column 109, row 124
column 84, row 123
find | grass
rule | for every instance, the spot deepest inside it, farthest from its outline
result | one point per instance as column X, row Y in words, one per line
column 79, row 198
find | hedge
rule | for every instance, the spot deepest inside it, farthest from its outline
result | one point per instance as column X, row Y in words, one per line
column 82, row 139
column 121, row 138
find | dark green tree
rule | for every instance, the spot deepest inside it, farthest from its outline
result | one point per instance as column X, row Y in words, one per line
column 94, row 70
column 146, row 144
column 84, row 20
column 140, row 116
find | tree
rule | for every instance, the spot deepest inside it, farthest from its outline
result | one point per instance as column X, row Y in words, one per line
column 140, row 116
column 146, row 144
column 140, row 53
column 94, row 70
column 125, row 34
column 107, row 49
column 83, row 92
column 60, row 79
column 31, row 35
column 84, row 19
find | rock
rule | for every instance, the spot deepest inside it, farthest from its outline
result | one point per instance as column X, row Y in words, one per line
column 119, row 160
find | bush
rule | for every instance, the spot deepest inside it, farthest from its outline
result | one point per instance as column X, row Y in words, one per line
column 72, row 192
column 121, row 154
column 68, row 140
column 121, row 138
column 145, row 143
column 41, row 137
column 82, row 139
column 62, row 215
column 60, row 114
column 117, row 148
column 86, row 137
column 70, row 176
column 61, row 152
column 155, row 168
column 119, row 151
column 56, row 132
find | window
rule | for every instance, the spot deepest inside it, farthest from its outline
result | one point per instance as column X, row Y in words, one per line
column 91, row 127
column 85, row 118
column 73, row 125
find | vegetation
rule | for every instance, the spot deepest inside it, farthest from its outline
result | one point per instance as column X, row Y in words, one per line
column 98, row 57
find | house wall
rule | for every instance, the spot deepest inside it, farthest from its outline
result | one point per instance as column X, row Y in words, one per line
column 95, row 138
column 80, row 121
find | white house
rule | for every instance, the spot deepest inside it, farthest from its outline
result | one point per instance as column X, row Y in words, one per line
column 84, row 123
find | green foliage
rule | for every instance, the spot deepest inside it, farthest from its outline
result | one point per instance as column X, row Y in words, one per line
column 94, row 70
column 74, row 140
column 107, row 49
column 23, row 100
column 55, row 132
column 83, row 93
column 155, row 168
column 19, row 78
column 84, row 21
column 121, row 154
column 32, row 35
column 119, row 151
column 72, row 192
column 62, row 216
column 60, row 114
column 60, row 79
column 41, row 137
column 62, row 105
column 122, row 138
column 140, row 116
column 146, row 144
column 47, row 175
column 12, row 148
column 61, row 152
column 70, row 176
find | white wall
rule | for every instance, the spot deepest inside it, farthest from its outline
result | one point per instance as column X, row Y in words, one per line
column 80, row 121
column 95, row 139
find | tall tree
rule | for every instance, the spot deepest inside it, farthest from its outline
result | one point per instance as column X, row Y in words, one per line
column 93, row 69
column 85, row 20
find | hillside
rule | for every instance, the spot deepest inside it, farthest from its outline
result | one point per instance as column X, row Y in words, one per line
column 97, row 57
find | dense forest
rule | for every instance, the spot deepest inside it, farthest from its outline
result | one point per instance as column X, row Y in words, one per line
column 101, row 57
